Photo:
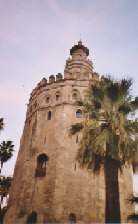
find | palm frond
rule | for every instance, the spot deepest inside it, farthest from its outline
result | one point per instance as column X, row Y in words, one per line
column 133, row 199
column 6, row 151
column 106, row 127
column 125, row 85
column 134, row 103
column 124, row 108
column 75, row 128
column 133, row 217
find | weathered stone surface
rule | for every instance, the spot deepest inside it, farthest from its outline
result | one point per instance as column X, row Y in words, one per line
column 66, row 188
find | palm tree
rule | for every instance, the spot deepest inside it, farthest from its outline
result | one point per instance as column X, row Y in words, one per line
column 6, row 152
column 6, row 148
column 109, row 136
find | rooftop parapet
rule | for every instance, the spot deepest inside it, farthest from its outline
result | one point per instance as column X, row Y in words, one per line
column 43, row 82
column 59, row 77
column 51, row 78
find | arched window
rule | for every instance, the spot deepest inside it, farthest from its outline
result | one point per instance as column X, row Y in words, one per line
column 49, row 115
column 47, row 99
column 57, row 97
column 78, row 113
column 72, row 218
column 32, row 218
column 75, row 94
column 40, row 171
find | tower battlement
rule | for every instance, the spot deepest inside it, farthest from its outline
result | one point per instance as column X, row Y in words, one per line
column 78, row 69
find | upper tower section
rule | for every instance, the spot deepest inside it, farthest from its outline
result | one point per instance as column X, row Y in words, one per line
column 79, row 67
column 79, row 51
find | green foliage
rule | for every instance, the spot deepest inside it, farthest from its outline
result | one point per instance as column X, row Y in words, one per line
column 6, row 152
column 76, row 128
column 133, row 217
column 5, row 183
column 107, row 130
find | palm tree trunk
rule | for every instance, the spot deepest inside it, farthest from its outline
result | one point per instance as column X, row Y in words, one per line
column 112, row 191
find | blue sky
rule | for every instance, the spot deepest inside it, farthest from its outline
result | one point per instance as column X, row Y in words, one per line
column 35, row 39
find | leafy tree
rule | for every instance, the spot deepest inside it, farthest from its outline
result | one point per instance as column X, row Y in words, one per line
column 109, row 135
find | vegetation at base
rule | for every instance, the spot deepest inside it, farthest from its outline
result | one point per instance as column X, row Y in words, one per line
column 109, row 135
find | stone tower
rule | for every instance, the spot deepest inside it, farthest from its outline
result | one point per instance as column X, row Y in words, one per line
column 47, row 180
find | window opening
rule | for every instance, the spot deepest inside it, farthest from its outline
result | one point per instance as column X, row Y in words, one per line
column 78, row 113
column 57, row 97
column 32, row 218
column 75, row 167
column 77, row 139
column 47, row 99
column 72, row 218
column 44, row 140
column 40, row 171
column 49, row 115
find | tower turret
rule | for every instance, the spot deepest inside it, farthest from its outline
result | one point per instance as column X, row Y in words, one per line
column 79, row 67
column 79, row 51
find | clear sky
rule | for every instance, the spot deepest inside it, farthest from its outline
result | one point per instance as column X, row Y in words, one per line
column 35, row 39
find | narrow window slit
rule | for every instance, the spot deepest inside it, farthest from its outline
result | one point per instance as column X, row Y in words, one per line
column 49, row 115
column 44, row 140
column 75, row 167
column 77, row 139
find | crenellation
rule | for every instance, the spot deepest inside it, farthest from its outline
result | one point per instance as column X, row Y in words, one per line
column 51, row 78
column 59, row 77
column 43, row 82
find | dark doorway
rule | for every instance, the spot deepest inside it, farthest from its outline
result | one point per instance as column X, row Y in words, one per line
column 32, row 218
